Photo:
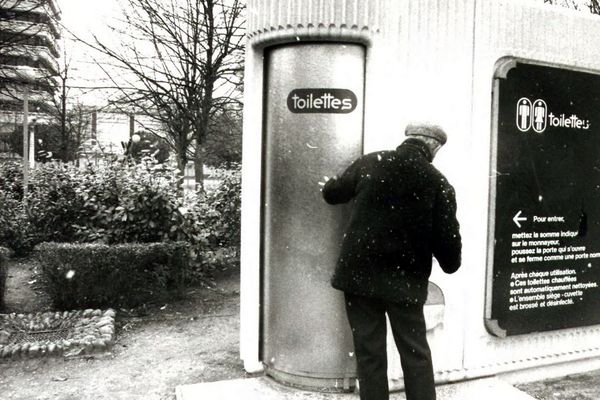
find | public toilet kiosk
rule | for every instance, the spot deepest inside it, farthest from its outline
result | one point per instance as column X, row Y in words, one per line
column 517, row 87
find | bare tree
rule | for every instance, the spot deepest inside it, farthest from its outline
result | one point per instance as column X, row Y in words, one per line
column 592, row 5
column 67, row 132
column 52, row 142
column 224, row 144
column 64, row 124
column 68, row 124
column 180, row 64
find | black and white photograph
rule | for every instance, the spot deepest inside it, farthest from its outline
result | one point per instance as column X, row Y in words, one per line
column 300, row 199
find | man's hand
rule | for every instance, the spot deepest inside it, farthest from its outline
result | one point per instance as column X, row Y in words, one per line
column 325, row 180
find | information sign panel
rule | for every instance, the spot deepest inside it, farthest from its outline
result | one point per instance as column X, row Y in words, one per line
column 545, row 203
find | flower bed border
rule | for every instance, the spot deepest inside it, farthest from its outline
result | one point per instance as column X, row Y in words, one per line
column 68, row 333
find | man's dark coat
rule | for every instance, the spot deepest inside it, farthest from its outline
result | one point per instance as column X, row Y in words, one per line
column 404, row 212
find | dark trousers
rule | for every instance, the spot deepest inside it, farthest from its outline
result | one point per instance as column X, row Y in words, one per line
column 367, row 320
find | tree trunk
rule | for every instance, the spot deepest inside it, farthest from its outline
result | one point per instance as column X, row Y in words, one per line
column 180, row 163
column 199, row 167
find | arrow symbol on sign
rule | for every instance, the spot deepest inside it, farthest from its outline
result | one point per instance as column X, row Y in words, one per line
column 517, row 219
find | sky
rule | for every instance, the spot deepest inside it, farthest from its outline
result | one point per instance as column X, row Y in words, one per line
column 85, row 15
column 85, row 18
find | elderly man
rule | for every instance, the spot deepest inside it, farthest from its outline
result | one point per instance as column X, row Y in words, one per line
column 404, row 213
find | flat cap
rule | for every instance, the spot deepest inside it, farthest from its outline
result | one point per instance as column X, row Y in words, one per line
column 429, row 130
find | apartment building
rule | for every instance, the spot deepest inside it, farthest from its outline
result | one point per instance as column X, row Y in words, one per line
column 29, row 50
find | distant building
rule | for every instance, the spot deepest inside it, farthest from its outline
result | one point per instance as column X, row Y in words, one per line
column 110, row 129
column 29, row 50
column 29, row 53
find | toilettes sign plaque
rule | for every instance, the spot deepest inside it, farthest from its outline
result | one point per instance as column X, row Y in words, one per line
column 544, row 264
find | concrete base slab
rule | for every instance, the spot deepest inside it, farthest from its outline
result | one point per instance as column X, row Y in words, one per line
column 264, row 388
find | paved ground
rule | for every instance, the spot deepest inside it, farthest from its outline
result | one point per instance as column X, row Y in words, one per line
column 573, row 387
column 185, row 341
column 197, row 341
column 266, row 389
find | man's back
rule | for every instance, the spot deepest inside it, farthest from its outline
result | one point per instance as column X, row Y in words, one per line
column 404, row 212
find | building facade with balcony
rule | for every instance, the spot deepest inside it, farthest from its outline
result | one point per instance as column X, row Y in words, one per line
column 29, row 53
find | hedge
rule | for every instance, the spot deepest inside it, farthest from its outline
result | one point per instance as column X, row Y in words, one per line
column 3, row 274
column 91, row 275
column 122, row 202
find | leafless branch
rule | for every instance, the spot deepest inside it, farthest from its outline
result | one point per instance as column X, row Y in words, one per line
column 183, row 59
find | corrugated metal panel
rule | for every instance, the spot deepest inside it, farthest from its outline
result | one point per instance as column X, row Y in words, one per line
column 547, row 35
column 436, row 54
column 434, row 59
column 272, row 15
column 431, row 80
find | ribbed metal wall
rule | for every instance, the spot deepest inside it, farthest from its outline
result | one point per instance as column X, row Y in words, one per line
column 431, row 59
column 434, row 61
column 541, row 34
column 270, row 16
column 431, row 74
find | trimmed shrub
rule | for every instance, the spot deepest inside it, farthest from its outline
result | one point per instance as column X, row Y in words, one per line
column 122, row 202
column 11, row 179
column 92, row 275
column 16, row 230
column 46, row 214
column 53, row 204
column 3, row 274
column 210, row 223
column 129, row 202
column 225, row 201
